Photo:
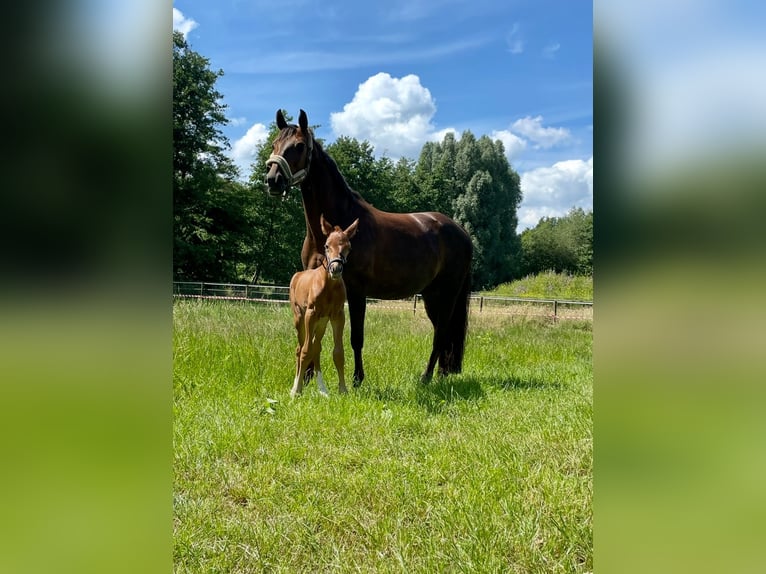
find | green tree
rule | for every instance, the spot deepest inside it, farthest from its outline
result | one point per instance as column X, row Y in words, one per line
column 436, row 177
column 560, row 244
column 405, row 190
column 471, row 180
column 372, row 178
column 210, row 223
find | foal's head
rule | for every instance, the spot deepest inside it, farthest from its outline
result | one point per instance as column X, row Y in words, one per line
column 337, row 246
column 291, row 155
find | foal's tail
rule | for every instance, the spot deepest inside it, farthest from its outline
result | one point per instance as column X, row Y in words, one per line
column 451, row 360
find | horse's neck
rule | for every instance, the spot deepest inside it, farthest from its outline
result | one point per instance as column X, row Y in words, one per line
column 325, row 193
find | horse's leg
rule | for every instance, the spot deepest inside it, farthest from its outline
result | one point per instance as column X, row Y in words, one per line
column 300, row 328
column 435, row 309
column 309, row 261
column 305, row 351
column 456, row 325
column 317, row 348
column 357, row 306
column 338, row 356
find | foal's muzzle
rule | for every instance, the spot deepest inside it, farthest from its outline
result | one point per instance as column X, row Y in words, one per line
column 335, row 267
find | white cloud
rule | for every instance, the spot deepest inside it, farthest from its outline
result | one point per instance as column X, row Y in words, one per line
column 545, row 138
column 393, row 114
column 514, row 42
column 512, row 143
column 550, row 50
column 553, row 191
column 181, row 23
column 243, row 150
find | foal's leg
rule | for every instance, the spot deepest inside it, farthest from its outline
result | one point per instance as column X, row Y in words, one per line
column 357, row 305
column 300, row 328
column 338, row 357
column 317, row 348
column 304, row 351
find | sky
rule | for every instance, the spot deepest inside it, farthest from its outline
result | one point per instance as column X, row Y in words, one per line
column 694, row 77
column 404, row 72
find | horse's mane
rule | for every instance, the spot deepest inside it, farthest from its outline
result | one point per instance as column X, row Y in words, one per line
column 332, row 169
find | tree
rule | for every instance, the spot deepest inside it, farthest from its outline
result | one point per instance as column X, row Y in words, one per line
column 210, row 223
column 374, row 179
column 560, row 244
column 472, row 181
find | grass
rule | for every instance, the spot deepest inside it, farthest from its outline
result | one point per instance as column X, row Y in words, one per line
column 548, row 285
column 487, row 471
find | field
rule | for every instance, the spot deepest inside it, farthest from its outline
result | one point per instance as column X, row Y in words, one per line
column 487, row 471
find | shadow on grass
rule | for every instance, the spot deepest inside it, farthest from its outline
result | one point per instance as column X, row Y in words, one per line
column 443, row 392
column 516, row 382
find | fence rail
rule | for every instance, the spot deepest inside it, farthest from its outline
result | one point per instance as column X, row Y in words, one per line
column 554, row 309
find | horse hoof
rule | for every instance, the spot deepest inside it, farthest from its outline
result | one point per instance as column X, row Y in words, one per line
column 425, row 378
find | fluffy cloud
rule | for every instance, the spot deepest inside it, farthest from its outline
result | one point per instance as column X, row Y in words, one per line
column 514, row 41
column 243, row 150
column 393, row 114
column 553, row 191
column 532, row 129
column 181, row 23
column 512, row 143
column 550, row 50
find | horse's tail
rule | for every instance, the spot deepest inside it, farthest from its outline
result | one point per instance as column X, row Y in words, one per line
column 451, row 360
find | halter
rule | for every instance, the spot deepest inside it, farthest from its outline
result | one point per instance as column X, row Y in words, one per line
column 298, row 176
column 341, row 260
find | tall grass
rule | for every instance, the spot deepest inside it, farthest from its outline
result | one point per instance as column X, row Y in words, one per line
column 548, row 285
column 487, row 471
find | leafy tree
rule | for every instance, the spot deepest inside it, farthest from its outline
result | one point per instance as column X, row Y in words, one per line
column 374, row 179
column 210, row 223
column 472, row 181
column 560, row 244
column 405, row 190
column 436, row 177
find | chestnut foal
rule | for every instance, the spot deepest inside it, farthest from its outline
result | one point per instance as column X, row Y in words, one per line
column 316, row 297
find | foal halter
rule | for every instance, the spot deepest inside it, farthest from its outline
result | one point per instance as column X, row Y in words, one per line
column 298, row 176
column 341, row 260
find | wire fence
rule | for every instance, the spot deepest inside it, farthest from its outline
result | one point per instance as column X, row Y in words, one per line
column 554, row 309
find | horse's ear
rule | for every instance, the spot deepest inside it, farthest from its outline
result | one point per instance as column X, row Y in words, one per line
column 326, row 227
column 303, row 122
column 351, row 229
column 281, row 123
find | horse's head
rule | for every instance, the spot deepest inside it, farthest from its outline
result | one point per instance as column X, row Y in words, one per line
column 291, row 156
column 337, row 245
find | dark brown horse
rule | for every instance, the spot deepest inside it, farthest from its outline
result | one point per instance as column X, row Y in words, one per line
column 396, row 255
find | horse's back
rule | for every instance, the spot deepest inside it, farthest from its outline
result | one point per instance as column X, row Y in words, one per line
column 403, row 253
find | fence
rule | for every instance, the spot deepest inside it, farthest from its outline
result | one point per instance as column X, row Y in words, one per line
column 554, row 309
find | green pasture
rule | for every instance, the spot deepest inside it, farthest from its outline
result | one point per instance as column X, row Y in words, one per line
column 486, row 471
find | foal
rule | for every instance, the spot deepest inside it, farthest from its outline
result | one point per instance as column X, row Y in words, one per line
column 316, row 297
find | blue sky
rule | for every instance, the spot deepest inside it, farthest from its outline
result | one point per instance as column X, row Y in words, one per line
column 401, row 73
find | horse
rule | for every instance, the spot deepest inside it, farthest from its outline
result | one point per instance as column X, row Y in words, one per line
column 317, row 296
column 396, row 255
